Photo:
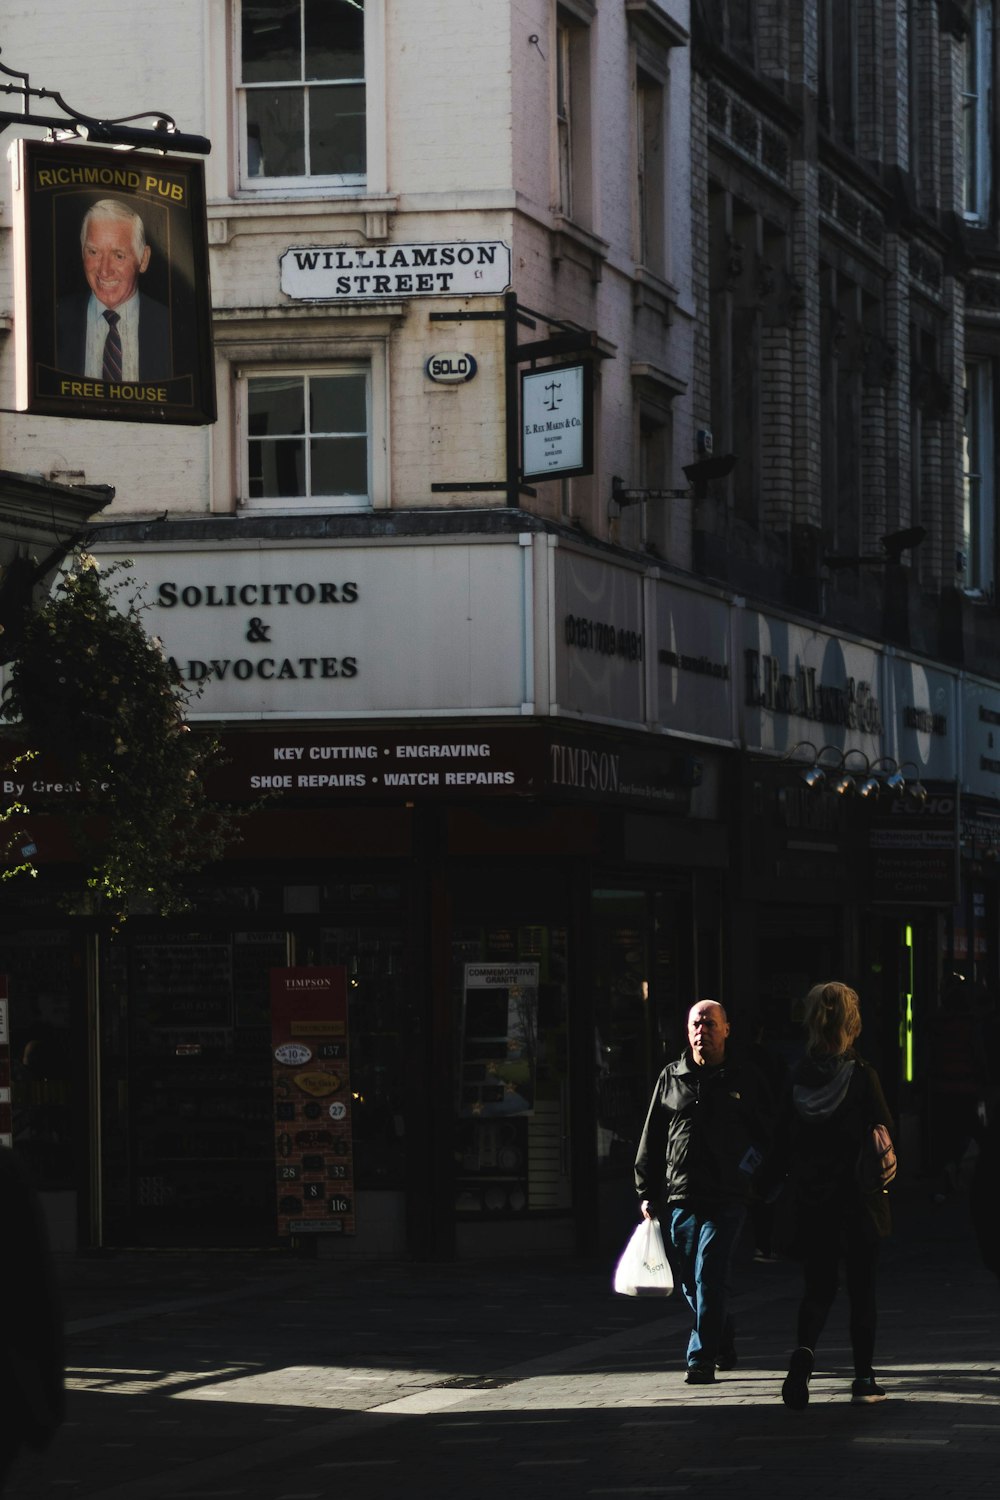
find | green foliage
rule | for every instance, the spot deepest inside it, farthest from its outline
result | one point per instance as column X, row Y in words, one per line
column 95, row 696
column 14, row 839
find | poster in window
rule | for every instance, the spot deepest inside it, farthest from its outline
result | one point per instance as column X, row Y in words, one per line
column 112, row 300
column 499, row 1040
column 313, row 1138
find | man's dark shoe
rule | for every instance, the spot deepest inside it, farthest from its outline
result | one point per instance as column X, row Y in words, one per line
column 700, row 1375
column 865, row 1391
column 795, row 1391
column 728, row 1359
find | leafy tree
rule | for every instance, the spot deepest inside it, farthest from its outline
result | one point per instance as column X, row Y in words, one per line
column 92, row 694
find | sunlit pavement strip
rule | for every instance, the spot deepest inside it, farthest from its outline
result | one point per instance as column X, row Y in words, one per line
column 359, row 1422
column 553, row 1382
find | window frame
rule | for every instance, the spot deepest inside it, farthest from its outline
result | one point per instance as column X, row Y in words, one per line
column 372, row 365
column 838, row 22
column 979, row 479
column 573, row 145
column 339, row 184
column 977, row 116
column 651, row 120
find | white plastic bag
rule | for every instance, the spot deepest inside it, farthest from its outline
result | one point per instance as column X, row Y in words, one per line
column 644, row 1270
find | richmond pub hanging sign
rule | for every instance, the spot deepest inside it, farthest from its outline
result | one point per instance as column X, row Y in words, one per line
column 112, row 303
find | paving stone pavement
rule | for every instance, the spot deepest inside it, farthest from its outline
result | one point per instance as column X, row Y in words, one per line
column 200, row 1376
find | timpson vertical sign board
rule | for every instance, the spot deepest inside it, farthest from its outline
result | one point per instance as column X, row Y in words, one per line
column 111, row 242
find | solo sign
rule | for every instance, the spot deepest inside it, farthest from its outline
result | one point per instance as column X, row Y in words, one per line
column 451, row 369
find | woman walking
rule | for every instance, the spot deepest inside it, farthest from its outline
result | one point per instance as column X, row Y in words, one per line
column 833, row 1101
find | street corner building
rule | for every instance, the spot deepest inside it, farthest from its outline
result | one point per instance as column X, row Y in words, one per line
column 582, row 540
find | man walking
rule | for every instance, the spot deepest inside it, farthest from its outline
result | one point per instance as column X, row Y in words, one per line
column 707, row 1125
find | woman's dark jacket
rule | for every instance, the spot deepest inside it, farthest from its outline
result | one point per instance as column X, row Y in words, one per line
column 705, row 1131
column 827, row 1114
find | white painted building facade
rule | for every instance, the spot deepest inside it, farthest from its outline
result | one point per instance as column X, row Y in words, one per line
column 513, row 123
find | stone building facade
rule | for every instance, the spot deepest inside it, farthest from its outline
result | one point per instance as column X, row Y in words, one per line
column 845, row 251
column 530, row 723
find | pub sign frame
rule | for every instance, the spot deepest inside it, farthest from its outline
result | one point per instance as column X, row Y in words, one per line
column 54, row 187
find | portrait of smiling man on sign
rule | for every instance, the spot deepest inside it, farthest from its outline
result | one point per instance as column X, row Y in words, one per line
column 113, row 332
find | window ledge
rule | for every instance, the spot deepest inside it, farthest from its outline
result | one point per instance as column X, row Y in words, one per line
column 571, row 242
column 652, row 16
column 657, row 380
column 653, row 291
column 375, row 210
column 237, row 322
column 321, row 506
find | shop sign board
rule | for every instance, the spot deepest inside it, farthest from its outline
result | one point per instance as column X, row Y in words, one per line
column 980, row 707
column 800, row 684
column 385, row 765
column 433, row 764
column 922, row 718
column 313, row 1145
column 392, row 273
column 980, row 835
column 694, row 678
column 557, row 425
column 600, row 639
column 339, row 632
column 499, row 1040
column 100, row 234
column 913, row 849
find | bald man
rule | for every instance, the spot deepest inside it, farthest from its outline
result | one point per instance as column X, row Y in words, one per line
column 708, row 1122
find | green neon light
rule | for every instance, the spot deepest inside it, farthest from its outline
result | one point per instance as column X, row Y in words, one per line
column 907, row 1026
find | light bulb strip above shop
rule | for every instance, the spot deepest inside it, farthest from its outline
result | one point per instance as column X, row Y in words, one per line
column 850, row 773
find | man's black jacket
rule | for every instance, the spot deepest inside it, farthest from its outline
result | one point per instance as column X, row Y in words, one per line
column 704, row 1134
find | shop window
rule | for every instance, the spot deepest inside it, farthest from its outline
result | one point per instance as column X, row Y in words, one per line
column 302, row 94
column 849, row 397
column 655, row 461
column 623, row 1036
column 572, row 110
column 44, row 1037
column 918, row 113
column 838, row 69
column 739, row 381
column 372, row 955
column 512, row 1097
column 308, row 438
column 979, row 508
column 930, row 405
column 187, row 1115
column 650, row 135
column 733, row 24
column 977, row 113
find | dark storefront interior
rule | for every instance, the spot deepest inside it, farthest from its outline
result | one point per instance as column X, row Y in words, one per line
column 167, row 1025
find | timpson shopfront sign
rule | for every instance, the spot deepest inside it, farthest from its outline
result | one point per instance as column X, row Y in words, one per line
column 468, row 761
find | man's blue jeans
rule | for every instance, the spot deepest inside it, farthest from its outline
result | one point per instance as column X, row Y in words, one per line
column 704, row 1244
